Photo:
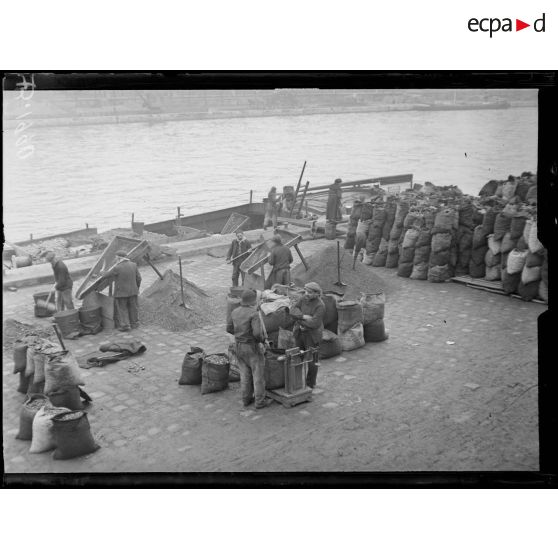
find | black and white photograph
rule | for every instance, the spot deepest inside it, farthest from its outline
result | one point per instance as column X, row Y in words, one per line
column 270, row 278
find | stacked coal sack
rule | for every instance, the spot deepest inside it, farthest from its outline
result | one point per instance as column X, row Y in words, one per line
column 373, row 317
column 31, row 354
column 498, row 242
column 411, row 231
column 380, row 258
column 395, row 233
column 468, row 216
column 354, row 218
column 421, row 255
column 443, row 255
column 363, row 227
column 479, row 246
column 532, row 273
column 515, row 246
column 375, row 234
column 350, row 329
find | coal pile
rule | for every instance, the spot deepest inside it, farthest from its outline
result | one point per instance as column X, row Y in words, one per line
column 14, row 330
column 323, row 270
column 160, row 304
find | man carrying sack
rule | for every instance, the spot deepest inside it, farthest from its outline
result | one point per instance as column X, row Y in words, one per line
column 63, row 282
column 280, row 259
column 238, row 252
column 127, row 280
column 309, row 312
column 249, row 335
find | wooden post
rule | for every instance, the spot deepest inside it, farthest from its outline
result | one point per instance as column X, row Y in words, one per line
column 132, row 220
column 297, row 189
column 262, row 271
column 251, row 192
column 301, row 257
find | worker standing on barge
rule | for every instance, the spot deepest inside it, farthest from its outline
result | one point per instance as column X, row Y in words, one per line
column 238, row 252
column 63, row 282
column 127, row 280
column 309, row 312
column 280, row 259
column 334, row 209
column 272, row 209
column 244, row 323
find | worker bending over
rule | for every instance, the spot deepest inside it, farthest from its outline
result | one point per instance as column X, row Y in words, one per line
column 280, row 259
column 246, row 327
column 127, row 280
column 272, row 211
column 309, row 312
column 62, row 282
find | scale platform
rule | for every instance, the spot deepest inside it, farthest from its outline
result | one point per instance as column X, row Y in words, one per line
column 289, row 400
column 295, row 391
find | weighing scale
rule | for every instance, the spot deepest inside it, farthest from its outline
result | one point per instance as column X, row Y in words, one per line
column 295, row 365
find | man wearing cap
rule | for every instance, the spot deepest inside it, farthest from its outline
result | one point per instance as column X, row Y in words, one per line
column 127, row 280
column 280, row 259
column 310, row 311
column 245, row 325
column 62, row 282
column 237, row 254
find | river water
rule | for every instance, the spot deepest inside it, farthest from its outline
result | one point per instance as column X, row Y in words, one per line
column 101, row 174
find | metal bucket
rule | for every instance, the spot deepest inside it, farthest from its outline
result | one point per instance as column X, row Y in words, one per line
column 43, row 310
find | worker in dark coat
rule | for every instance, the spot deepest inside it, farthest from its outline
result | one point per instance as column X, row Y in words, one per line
column 334, row 209
column 272, row 209
column 245, row 324
column 280, row 259
column 62, row 282
column 309, row 312
column 127, row 280
column 240, row 245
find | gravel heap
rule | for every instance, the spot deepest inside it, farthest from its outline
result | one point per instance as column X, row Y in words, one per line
column 323, row 270
column 160, row 304
column 14, row 330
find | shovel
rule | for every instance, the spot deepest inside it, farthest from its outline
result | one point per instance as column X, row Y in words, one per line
column 339, row 283
column 183, row 304
column 45, row 304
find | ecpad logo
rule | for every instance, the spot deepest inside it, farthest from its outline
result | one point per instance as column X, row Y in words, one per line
column 494, row 24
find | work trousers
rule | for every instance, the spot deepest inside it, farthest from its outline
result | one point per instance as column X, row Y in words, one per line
column 281, row 276
column 252, row 381
column 236, row 274
column 270, row 218
column 304, row 342
column 126, row 311
column 64, row 300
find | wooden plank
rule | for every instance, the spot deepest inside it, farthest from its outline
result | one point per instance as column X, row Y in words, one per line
column 382, row 180
column 297, row 222
column 289, row 400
